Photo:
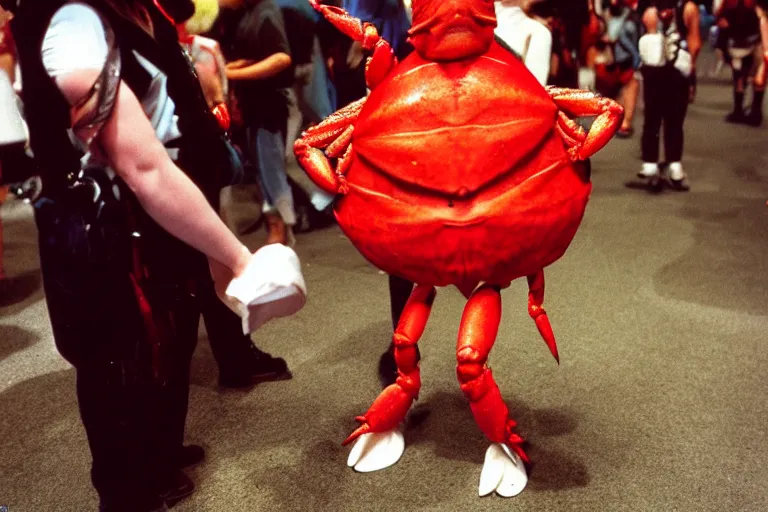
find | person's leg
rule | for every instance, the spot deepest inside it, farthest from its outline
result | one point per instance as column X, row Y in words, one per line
column 628, row 100
column 740, row 68
column 171, row 400
column 97, row 328
column 399, row 292
column 755, row 116
column 280, row 214
column 674, row 118
column 653, row 94
column 240, row 362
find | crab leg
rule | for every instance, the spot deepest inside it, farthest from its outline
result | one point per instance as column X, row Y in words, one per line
column 391, row 406
column 477, row 334
column 586, row 103
column 382, row 60
column 535, row 300
column 335, row 134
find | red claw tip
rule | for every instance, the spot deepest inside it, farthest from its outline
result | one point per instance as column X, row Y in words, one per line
column 362, row 429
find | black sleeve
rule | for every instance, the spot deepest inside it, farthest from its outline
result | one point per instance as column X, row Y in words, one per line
column 268, row 38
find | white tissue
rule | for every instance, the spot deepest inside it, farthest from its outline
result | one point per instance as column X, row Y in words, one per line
column 271, row 286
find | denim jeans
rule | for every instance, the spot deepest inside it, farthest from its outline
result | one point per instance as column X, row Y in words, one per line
column 267, row 151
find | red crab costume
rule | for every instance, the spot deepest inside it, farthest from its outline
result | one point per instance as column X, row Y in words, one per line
column 458, row 169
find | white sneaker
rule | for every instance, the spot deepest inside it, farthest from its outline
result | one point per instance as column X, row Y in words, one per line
column 677, row 177
column 649, row 170
column 676, row 171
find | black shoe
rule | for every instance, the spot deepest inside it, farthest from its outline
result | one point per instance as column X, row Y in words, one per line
column 189, row 455
column 155, row 505
column 260, row 367
column 736, row 117
column 177, row 487
column 679, row 185
column 755, row 120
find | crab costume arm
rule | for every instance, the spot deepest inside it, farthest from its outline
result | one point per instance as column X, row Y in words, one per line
column 329, row 139
column 574, row 102
column 382, row 58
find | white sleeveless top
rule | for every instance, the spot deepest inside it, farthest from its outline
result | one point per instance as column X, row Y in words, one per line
column 76, row 39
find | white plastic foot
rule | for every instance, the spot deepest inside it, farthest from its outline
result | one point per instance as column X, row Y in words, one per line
column 375, row 451
column 503, row 472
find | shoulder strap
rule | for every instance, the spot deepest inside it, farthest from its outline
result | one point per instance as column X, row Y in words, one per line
column 97, row 106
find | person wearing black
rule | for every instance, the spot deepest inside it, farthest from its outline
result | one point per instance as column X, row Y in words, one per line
column 240, row 362
column 740, row 28
column 261, row 71
column 669, row 52
column 123, row 231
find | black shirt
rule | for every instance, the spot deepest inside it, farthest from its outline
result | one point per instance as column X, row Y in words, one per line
column 254, row 33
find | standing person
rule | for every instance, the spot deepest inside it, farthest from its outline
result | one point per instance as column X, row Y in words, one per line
column 738, row 21
column 527, row 37
column 241, row 364
column 123, row 231
column 762, row 13
column 310, row 99
column 618, row 79
column 260, row 70
column 668, row 52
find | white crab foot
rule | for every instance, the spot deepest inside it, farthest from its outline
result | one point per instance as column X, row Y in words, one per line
column 503, row 472
column 375, row 451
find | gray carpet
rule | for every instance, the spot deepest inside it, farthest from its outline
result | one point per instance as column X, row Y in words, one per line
column 659, row 403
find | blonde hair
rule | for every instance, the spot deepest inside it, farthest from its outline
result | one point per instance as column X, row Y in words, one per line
column 206, row 12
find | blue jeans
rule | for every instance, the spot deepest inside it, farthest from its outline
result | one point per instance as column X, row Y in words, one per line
column 267, row 150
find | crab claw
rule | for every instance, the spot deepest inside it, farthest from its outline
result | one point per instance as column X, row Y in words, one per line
column 375, row 451
column 348, row 25
column 387, row 411
column 503, row 472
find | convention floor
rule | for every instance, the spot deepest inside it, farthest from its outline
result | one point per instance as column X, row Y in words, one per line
column 661, row 311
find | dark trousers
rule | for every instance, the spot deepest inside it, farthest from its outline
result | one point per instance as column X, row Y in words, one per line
column 665, row 93
column 399, row 291
column 133, row 419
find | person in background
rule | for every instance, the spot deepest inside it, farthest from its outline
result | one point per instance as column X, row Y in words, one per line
column 261, row 71
column 241, row 363
column 617, row 78
column 527, row 37
column 668, row 51
column 762, row 13
column 740, row 26
column 310, row 102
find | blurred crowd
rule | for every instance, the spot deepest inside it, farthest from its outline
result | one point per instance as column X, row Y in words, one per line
column 268, row 69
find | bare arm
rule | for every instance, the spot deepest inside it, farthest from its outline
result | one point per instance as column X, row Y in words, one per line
column 691, row 19
column 266, row 68
column 762, row 74
column 209, row 80
column 8, row 64
column 164, row 191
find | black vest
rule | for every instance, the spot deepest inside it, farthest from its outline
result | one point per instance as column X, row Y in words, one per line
column 203, row 152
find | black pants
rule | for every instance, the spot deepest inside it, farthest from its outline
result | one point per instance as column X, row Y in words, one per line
column 134, row 421
column 665, row 93
column 399, row 291
column 15, row 165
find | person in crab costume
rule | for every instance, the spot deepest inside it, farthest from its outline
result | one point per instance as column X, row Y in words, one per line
column 458, row 169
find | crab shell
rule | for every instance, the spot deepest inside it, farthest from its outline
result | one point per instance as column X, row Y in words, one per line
column 458, row 176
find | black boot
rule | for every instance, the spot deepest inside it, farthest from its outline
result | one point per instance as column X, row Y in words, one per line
column 175, row 488
column 737, row 116
column 189, row 455
column 755, row 117
column 257, row 366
